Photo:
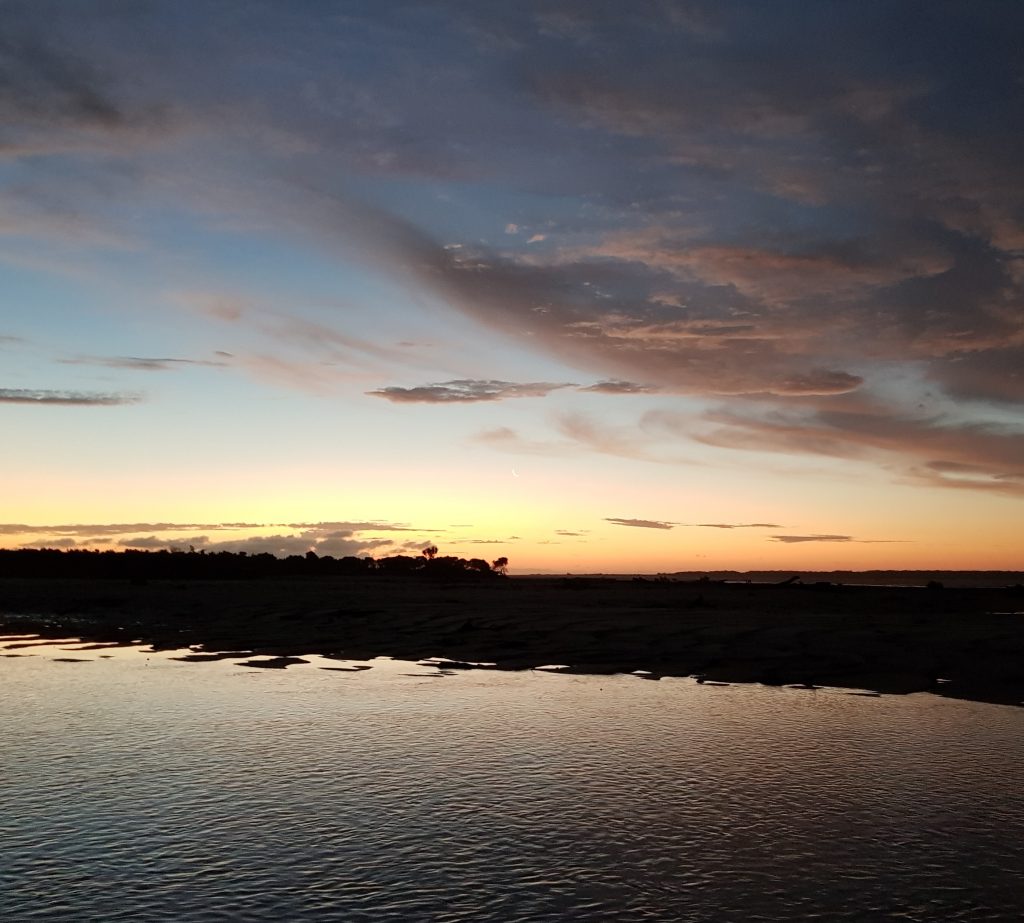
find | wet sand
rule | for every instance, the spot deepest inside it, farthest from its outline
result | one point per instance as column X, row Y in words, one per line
column 966, row 642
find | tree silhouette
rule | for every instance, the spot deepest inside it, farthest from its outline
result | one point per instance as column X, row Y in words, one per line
column 172, row 564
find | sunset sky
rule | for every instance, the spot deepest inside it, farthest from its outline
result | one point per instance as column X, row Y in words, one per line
column 596, row 286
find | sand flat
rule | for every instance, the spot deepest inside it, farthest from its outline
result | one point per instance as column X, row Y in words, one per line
column 884, row 638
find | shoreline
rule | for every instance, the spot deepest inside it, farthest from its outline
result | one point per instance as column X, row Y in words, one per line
column 961, row 642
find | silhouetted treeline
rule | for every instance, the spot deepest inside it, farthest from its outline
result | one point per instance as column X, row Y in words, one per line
column 155, row 565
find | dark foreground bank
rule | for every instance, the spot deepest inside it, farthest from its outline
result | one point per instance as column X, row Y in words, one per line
column 966, row 642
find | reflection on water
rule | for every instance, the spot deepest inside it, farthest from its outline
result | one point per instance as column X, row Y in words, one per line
column 137, row 786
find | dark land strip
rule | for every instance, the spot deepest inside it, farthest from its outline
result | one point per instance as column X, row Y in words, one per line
column 966, row 642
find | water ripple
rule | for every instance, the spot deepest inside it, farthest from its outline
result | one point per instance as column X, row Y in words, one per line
column 143, row 788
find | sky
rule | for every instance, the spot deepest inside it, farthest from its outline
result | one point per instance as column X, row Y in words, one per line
column 594, row 286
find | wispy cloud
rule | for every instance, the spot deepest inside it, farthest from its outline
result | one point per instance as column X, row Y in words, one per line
column 337, row 544
column 796, row 539
column 640, row 523
column 934, row 450
column 625, row 442
column 507, row 439
column 145, row 363
column 466, row 391
column 337, row 538
column 359, row 526
column 619, row 387
column 66, row 398
column 737, row 525
column 52, row 543
column 120, row 528
column 104, row 530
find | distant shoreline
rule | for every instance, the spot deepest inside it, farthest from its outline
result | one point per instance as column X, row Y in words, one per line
column 179, row 564
column 909, row 578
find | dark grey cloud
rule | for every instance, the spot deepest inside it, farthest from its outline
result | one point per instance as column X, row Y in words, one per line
column 466, row 391
column 610, row 308
column 709, row 337
column 57, row 93
column 850, row 142
column 40, row 83
column 801, row 103
column 821, row 382
column 936, row 449
column 612, row 315
column 907, row 276
column 640, row 523
column 65, row 398
column 993, row 375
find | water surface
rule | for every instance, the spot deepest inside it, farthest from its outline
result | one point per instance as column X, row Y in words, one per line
column 135, row 786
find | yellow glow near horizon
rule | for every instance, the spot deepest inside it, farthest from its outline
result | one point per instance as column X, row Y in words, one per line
column 491, row 512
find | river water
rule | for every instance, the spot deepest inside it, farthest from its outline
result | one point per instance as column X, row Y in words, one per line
column 139, row 787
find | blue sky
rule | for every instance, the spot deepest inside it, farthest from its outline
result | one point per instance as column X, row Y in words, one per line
column 535, row 268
